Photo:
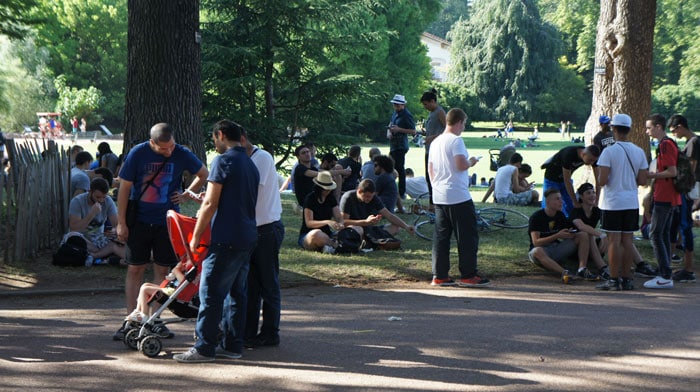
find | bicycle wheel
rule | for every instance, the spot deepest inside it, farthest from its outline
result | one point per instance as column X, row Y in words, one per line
column 424, row 226
column 503, row 217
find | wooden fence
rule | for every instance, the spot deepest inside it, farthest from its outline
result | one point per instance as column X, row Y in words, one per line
column 33, row 199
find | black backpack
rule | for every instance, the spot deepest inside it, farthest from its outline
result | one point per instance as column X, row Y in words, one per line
column 684, row 181
column 349, row 241
column 72, row 253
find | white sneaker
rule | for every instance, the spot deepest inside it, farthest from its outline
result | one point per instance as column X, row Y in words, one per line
column 328, row 249
column 659, row 283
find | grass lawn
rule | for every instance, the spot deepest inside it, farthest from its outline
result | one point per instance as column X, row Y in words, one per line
column 501, row 253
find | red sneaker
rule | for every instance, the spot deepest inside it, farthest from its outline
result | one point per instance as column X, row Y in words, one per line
column 474, row 281
column 442, row 282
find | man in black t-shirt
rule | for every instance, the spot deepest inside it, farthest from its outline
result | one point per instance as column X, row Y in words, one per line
column 354, row 162
column 361, row 208
column 560, row 166
column 303, row 174
column 552, row 239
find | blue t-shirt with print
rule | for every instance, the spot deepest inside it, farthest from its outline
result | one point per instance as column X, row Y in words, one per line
column 234, row 222
column 141, row 165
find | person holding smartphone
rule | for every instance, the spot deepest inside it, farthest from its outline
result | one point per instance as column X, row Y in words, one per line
column 87, row 214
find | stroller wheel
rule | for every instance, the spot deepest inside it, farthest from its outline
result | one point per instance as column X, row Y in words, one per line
column 131, row 338
column 150, row 346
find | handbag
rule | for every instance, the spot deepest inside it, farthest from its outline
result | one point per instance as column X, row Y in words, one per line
column 132, row 206
column 378, row 238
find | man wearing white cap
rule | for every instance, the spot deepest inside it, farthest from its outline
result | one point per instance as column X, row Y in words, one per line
column 401, row 125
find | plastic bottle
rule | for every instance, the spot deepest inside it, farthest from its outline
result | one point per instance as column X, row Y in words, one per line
column 88, row 261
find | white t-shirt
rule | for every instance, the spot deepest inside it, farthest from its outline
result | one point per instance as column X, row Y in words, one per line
column 416, row 186
column 450, row 185
column 268, row 208
column 503, row 186
column 620, row 193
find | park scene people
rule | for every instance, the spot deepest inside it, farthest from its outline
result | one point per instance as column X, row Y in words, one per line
column 333, row 108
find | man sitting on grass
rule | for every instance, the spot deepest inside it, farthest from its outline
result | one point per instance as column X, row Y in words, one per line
column 553, row 240
column 361, row 208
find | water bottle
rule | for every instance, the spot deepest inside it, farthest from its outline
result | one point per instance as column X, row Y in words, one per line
column 88, row 261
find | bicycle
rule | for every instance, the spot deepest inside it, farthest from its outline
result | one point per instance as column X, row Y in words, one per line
column 488, row 219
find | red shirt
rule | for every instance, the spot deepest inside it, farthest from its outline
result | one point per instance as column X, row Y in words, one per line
column 664, row 192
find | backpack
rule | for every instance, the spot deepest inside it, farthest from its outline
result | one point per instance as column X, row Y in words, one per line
column 684, row 181
column 349, row 241
column 72, row 252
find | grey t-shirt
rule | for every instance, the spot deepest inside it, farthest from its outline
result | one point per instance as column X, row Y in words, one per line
column 356, row 208
column 78, row 180
column 79, row 207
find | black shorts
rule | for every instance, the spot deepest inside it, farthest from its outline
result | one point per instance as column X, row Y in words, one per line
column 620, row 221
column 146, row 240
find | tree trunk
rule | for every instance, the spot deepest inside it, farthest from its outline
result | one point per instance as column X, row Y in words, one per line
column 623, row 65
column 164, row 72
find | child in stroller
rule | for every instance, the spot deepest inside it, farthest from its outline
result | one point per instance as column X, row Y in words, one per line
column 178, row 292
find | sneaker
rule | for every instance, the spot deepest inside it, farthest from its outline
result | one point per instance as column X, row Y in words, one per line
column 683, row 276
column 474, row 281
column 119, row 335
column 609, row 285
column 604, row 274
column 161, row 330
column 192, row 356
column 585, row 274
column 262, row 341
column 659, row 283
column 644, row 270
column 328, row 249
column 566, row 277
column 626, row 284
column 442, row 282
column 223, row 353
column 675, row 259
column 137, row 317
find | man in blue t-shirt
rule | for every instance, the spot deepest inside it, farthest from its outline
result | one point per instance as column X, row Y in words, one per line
column 401, row 125
column 229, row 207
column 152, row 175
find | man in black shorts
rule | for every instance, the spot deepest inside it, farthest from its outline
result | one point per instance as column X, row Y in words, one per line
column 152, row 174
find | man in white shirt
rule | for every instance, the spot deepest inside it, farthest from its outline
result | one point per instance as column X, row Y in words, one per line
column 415, row 186
column 510, row 184
column 263, row 276
column 448, row 165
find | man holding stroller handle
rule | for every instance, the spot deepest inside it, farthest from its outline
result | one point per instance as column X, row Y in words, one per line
column 231, row 196
column 152, row 173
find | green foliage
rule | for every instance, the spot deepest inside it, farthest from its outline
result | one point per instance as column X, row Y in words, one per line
column 684, row 99
column 15, row 17
column 566, row 98
column 21, row 89
column 451, row 12
column 86, row 42
column 318, row 66
column 506, row 54
column 80, row 103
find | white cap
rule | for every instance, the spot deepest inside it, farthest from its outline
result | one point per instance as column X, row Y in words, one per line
column 622, row 120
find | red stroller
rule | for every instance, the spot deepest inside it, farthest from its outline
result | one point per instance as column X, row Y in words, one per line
column 184, row 301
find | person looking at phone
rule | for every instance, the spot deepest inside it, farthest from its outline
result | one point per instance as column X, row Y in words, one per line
column 511, row 186
column 362, row 207
column 553, row 239
column 87, row 214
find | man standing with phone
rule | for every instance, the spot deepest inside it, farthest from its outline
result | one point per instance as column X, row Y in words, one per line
column 401, row 125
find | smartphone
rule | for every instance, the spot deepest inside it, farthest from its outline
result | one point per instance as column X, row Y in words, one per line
column 573, row 230
column 478, row 157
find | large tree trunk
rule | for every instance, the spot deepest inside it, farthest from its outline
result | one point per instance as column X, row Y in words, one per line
column 164, row 72
column 623, row 65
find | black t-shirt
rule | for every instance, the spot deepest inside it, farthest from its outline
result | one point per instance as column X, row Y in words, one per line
column 603, row 140
column 322, row 211
column 567, row 158
column 356, row 208
column 578, row 213
column 692, row 151
column 351, row 181
column 303, row 184
column 546, row 225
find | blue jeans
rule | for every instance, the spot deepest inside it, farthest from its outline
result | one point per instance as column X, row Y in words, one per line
column 568, row 203
column 660, row 235
column 460, row 219
column 263, row 282
column 686, row 223
column 223, row 299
